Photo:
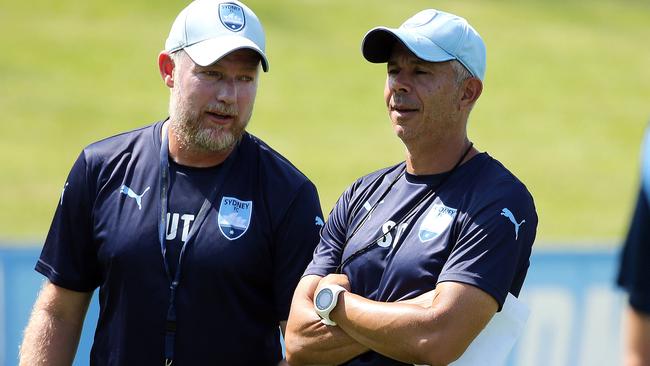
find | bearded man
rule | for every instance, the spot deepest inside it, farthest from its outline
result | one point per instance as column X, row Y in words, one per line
column 195, row 231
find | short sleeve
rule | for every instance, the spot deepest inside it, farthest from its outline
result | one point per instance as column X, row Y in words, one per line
column 68, row 258
column 634, row 275
column 328, row 253
column 494, row 243
column 295, row 241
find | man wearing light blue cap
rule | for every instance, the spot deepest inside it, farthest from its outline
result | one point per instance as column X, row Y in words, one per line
column 195, row 231
column 416, row 259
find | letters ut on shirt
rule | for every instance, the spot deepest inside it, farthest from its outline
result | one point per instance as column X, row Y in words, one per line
column 172, row 226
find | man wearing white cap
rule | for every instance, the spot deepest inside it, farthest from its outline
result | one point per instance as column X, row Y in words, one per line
column 195, row 231
column 415, row 259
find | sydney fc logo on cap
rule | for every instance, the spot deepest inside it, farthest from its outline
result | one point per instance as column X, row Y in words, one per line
column 234, row 217
column 232, row 16
column 436, row 221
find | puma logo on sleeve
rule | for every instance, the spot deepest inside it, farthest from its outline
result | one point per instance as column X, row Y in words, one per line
column 507, row 213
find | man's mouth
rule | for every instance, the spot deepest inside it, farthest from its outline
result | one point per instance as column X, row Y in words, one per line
column 403, row 109
column 221, row 117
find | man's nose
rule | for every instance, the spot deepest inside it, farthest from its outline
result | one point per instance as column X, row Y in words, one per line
column 398, row 82
column 227, row 91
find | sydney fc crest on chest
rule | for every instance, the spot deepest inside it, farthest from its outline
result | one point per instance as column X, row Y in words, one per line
column 232, row 16
column 234, row 217
column 436, row 221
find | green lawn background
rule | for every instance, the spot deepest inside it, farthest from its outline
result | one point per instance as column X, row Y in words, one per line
column 566, row 98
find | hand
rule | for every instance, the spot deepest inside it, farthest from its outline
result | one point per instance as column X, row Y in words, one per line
column 333, row 279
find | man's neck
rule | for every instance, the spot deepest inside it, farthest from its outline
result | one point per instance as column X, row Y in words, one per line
column 193, row 157
column 436, row 158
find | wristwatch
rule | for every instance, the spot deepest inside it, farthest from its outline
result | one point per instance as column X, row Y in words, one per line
column 325, row 301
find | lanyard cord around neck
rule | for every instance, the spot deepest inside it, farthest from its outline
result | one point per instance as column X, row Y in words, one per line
column 430, row 192
column 170, row 324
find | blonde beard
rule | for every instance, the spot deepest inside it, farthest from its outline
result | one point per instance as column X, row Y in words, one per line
column 186, row 126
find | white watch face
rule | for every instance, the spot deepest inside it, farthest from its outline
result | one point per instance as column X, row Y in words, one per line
column 324, row 299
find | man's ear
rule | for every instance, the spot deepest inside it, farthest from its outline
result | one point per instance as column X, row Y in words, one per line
column 166, row 66
column 472, row 89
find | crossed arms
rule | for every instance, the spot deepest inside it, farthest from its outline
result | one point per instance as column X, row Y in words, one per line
column 434, row 328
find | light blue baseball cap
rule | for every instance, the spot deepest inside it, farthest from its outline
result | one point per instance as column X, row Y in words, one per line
column 210, row 29
column 433, row 36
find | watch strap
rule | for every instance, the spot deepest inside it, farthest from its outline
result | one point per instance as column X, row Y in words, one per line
column 325, row 314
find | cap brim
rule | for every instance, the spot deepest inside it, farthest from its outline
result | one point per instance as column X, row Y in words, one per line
column 378, row 44
column 207, row 52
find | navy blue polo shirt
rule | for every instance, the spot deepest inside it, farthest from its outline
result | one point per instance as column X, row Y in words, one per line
column 478, row 228
column 238, row 272
column 634, row 275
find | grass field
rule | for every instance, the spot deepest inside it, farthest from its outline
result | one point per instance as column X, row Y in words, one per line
column 566, row 97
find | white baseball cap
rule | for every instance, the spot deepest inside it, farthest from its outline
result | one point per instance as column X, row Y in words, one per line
column 433, row 36
column 210, row 29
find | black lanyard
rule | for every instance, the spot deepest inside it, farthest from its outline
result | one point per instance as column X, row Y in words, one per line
column 429, row 193
column 170, row 324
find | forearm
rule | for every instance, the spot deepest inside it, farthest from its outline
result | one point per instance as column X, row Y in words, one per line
column 309, row 341
column 638, row 334
column 411, row 331
column 49, row 341
column 401, row 331
column 54, row 328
